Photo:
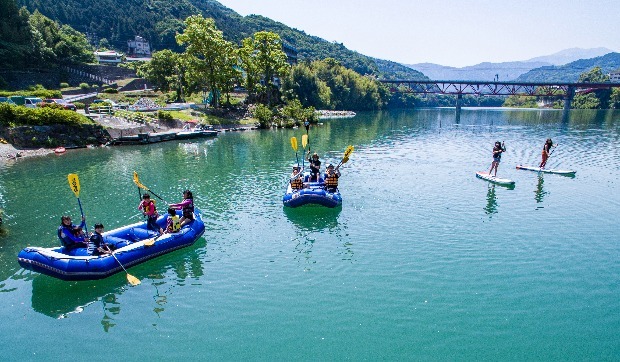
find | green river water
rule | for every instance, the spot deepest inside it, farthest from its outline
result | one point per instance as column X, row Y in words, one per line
column 423, row 261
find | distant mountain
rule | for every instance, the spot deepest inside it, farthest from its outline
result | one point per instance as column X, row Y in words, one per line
column 484, row 71
column 570, row 72
column 506, row 71
column 570, row 55
column 158, row 21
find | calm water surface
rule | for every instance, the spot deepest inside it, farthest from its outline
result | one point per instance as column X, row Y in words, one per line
column 423, row 260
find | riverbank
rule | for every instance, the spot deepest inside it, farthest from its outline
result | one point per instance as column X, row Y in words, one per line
column 9, row 152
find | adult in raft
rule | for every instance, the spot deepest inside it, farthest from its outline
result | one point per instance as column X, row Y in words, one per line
column 188, row 201
column 315, row 167
column 331, row 178
column 187, row 205
column 296, row 180
column 546, row 152
column 67, row 233
column 497, row 156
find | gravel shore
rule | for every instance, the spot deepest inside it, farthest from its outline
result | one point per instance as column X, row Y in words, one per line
column 8, row 152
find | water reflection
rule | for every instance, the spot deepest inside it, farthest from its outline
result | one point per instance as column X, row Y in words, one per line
column 312, row 222
column 539, row 193
column 59, row 299
column 313, row 218
column 491, row 206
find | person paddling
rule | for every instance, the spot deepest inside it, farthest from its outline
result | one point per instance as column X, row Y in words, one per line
column 148, row 209
column 188, row 201
column 331, row 178
column 67, row 235
column 315, row 167
column 296, row 179
column 546, row 152
column 497, row 156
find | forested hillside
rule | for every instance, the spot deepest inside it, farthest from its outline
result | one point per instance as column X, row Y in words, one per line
column 158, row 21
column 570, row 72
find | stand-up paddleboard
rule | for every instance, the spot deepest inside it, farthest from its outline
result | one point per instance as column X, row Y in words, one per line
column 494, row 179
column 538, row 169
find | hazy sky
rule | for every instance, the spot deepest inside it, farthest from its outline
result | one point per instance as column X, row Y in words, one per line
column 449, row 32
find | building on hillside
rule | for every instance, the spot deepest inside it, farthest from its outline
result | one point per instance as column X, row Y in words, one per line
column 291, row 53
column 138, row 47
column 615, row 76
column 108, row 57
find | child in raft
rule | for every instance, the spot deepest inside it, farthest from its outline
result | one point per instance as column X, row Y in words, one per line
column 150, row 211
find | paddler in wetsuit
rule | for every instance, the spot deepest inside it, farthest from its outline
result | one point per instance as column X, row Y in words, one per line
column 331, row 178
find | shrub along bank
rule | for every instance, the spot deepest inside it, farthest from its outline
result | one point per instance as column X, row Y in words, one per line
column 48, row 127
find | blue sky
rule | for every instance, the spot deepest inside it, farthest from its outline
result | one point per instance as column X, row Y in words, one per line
column 449, row 32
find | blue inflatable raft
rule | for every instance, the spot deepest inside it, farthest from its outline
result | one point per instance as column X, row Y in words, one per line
column 313, row 193
column 130, row 250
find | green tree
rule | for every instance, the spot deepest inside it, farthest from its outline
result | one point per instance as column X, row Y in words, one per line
column 213, row 57
column 263, row 56
column 614, row 99
column 597, row 99
column 162, row 70
column 594, row 75
column 15, row 35
column 304, row 84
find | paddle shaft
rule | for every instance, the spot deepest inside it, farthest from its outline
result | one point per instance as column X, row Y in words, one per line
column 82, row 212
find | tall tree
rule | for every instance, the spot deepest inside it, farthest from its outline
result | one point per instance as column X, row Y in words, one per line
column 598, row 99
column 15, row 35
column 213, row 56
column 265, row 61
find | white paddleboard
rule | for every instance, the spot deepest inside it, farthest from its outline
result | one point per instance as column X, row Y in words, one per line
column 538, row 169
column 494, row 179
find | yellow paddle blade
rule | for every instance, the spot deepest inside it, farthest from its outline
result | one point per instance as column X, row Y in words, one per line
column 304, row 141
column 136, row 180
column 132, row 280
column 149, row 242
column 294, row 143
column 345, row 160
column 348, row 151
column 74, row 183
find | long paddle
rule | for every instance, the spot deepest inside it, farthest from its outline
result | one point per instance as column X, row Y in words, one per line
column 74, row 184
column 304, row 143
column 295, row 148
column 130, row 278
column 136, row 180
column 345, row 159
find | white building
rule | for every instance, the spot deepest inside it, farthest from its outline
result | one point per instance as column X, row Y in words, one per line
column 109, row 57
column 138, row 47
column 615, row 76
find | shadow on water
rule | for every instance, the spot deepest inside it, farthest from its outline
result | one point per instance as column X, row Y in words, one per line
column 59, row 299
column 313, row 218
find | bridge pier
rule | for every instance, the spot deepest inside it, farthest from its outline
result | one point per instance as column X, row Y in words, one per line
column 459, row 104
column 568, row 98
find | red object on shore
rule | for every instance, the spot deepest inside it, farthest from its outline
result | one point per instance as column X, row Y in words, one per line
column 59, row 150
